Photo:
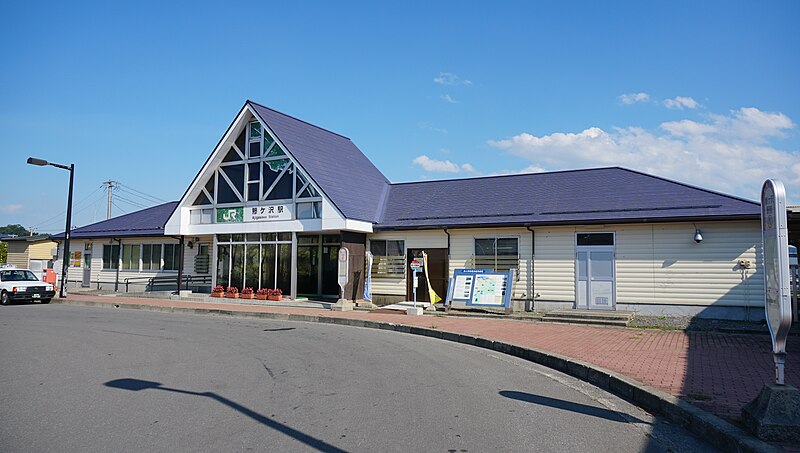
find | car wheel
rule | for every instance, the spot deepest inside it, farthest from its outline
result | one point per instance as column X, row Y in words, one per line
column 45, row 301
column 4, row 299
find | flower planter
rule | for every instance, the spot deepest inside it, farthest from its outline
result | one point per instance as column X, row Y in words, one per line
column 275, row 298
column 232, row 295
column 261, row 297
column 246, row 296
column 217, row 294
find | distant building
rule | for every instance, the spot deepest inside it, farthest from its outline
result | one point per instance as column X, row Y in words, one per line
column 31, row 252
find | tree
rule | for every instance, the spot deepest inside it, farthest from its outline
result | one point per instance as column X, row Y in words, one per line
column 3, row 252
column 17, row 229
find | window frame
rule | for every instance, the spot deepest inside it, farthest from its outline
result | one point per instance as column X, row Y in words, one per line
column 494, row 248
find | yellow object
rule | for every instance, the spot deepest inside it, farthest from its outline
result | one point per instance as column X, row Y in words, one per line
column 433, row 296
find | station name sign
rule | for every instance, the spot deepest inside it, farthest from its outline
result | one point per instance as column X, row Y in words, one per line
column 255, row 213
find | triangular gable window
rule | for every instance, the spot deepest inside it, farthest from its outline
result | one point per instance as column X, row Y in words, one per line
column 256, row 169
column 201, row 200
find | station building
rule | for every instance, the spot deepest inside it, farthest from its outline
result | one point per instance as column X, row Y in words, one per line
column 278, row 197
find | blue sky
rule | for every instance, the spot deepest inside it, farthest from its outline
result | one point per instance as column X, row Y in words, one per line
column 701, row 92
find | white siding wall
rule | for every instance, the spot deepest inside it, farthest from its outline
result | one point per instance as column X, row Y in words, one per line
column 661, row 263
column 655, row 263
column 462, row 251
column 413, row 240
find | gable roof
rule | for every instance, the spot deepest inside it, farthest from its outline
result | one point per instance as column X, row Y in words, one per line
column 344, row 174
column 601, row 195
column 147, row 222
column 34, row 238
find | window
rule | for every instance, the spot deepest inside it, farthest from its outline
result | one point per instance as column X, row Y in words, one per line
column 498, row 254
column 200, row 216
column 151, row 256
column 171, row 257
column 389, row 258
column 130, row 257
column 311, row 210
column 595, row 239
column 110, row 256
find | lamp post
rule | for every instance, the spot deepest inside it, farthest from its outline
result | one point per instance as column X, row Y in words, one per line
column 65, row 263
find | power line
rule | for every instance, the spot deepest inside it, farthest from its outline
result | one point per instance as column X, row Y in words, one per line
column 62, row 213
column 141, row 194
column 131, row 202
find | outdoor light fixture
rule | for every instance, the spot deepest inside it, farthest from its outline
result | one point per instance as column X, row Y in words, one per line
column 66, row 256
column 697, row 236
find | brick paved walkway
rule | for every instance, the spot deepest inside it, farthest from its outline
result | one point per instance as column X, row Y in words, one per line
column 715, row 371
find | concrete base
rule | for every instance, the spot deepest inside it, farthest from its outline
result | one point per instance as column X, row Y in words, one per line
column 414, row 311
column 342, row 305
column 775, row 414
column 361, row 303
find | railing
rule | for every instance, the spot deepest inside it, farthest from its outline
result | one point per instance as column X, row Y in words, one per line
column 152, row 283
column 389, row 266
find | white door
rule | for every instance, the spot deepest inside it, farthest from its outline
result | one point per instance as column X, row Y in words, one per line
column 594, row 279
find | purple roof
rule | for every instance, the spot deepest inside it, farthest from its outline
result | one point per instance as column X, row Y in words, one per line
column 602, row 195
column 349, row 180
column 147, row 222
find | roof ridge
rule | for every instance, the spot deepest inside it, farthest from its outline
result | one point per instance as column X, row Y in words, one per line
column 702, row 189
column 472, row 178
column 298, row 119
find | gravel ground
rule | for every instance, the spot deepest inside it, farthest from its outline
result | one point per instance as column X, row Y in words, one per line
column 694, row 324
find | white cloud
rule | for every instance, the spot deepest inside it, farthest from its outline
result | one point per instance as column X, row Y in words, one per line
column 449, row 99
column 681, row 102
column 442, row 166
column 10, row 208
column 633, row 98
column 729, row 153
column 448, row 78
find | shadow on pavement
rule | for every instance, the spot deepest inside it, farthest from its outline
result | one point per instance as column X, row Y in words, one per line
column 138, row 384
column 570, row 406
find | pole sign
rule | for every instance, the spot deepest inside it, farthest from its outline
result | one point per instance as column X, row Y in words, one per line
column 344, row 265
column 775, row 243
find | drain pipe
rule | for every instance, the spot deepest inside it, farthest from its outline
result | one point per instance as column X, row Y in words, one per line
column 531, row 273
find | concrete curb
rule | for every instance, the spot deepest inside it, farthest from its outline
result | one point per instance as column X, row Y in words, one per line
column 707, row 426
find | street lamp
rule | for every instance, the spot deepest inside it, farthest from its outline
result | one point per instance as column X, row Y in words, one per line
column 65, row 263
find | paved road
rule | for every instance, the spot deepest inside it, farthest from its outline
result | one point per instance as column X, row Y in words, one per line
column 98, row 379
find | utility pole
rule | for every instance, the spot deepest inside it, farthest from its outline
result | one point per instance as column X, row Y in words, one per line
column 110, row 185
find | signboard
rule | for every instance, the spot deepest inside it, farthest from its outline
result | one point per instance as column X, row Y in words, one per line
column 343, row 269
column 415, row 265
column 775, row 241
column 268, row 213
column 230, row 215
column 256, row 213
column 482, row 288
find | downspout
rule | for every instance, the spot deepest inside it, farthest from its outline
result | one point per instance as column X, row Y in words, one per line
column 119, row 257
column 532, row 293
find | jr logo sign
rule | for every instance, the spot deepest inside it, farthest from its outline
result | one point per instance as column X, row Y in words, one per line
column 230, row 215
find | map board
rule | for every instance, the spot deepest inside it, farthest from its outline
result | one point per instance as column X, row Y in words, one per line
column 482, row 288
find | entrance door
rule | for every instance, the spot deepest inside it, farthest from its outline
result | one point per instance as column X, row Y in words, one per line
column 595, row 278
column 87, row 270
column 437, row 271
column 317, row 257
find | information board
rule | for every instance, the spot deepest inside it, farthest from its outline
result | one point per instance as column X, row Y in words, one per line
column 482, row 288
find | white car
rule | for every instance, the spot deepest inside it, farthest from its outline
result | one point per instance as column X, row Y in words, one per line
column 22, row 284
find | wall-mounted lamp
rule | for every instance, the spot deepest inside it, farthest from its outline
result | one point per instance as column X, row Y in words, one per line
column 697, row 236
column 190, row 244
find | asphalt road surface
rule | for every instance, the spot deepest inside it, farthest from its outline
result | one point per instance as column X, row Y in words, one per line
column 77, row 379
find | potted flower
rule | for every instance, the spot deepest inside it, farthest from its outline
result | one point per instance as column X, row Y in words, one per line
column 232, row 292
column 217, row 291
column 274, row 294
column 247, row 293
column 261, row 294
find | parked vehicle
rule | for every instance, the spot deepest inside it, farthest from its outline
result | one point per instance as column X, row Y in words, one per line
column 23, row 284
